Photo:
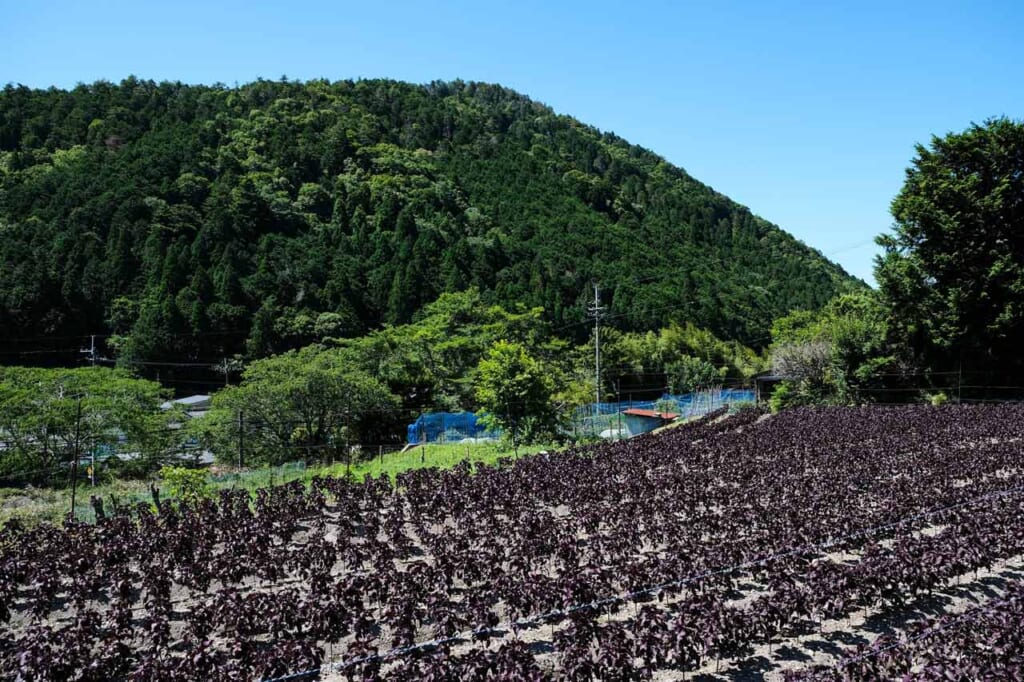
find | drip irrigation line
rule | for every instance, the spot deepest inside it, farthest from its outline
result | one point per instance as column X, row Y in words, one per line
column 956, row 621
column 630, row 596
column 532, row 620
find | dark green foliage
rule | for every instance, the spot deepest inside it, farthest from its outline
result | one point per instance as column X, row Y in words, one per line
column 952, row 275
column 691, row 374
column 430, row 362
column 305, row 404
column 202, row 221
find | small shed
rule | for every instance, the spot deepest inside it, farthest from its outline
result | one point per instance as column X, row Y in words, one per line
column 641, row 421
column 764, row 384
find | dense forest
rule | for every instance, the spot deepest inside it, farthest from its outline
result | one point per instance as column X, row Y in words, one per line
column 189, row 222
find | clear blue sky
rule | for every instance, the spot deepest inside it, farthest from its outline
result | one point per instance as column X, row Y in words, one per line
column 805, row 111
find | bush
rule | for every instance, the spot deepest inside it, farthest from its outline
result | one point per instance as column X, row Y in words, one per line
column 783, row 396
column 666, row 405
column 188, row 485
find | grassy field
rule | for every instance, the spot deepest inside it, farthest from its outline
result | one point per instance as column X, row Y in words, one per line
column 434, row 455
column 34, row 505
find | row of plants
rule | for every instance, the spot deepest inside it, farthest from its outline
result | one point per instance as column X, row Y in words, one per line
column 417, row 574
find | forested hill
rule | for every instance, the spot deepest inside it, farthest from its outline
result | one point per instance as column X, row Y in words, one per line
column 194, row 221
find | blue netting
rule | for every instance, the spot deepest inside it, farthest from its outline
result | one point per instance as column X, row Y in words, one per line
column 603, row 418
column 688, row 404
column 452, row 427
column 447, row 427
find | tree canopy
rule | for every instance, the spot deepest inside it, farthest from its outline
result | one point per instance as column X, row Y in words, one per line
column 949, row 311
column 952, row 275
column 515, row 391
column 838, row 355
column 48, row 415
column 304, row 404
column 200, row 222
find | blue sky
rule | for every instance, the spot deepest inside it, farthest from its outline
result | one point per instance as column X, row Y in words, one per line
column 807, row 112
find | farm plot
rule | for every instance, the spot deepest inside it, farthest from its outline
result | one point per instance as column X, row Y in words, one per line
column 814, row 543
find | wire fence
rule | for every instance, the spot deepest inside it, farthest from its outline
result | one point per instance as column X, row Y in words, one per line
column 40, row 492
column 257, row 442
column 610, row 420
column 632, row 595
column 597, row 420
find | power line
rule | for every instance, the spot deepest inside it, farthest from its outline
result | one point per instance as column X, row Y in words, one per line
column 59, row 351
column 30, row 474
column 188, row 335
column 153, row 363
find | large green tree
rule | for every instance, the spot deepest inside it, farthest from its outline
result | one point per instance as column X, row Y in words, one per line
column 952, row 274
column 514, row 389
column 678, row 357
column 838, row 355
column 306, row 404
column 429, row 361
column 48, row 415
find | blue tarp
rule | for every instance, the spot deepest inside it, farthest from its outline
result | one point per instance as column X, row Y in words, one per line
column 440, row 427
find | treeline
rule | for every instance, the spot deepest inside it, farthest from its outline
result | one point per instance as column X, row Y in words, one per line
column 322, row 400
column 198, row 222
column 947, row 320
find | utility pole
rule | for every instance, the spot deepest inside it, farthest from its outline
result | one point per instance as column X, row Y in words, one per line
column 596, row 310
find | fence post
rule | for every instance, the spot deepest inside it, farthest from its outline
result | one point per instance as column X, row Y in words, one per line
column 241, row 436
column 74, row 465
column 959, row 378
column 618, row 410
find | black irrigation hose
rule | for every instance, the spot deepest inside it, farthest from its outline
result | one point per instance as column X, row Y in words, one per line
column 954, row 622
column 628, row 596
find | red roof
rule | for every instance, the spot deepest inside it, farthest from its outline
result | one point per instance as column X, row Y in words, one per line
column 652, row 414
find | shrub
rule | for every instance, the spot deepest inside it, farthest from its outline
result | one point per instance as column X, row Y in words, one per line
column 188, row 485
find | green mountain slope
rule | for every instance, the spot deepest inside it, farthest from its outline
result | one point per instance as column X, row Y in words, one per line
column 195, row 221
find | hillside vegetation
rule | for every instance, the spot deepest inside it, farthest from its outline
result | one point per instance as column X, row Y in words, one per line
column 199, row 221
